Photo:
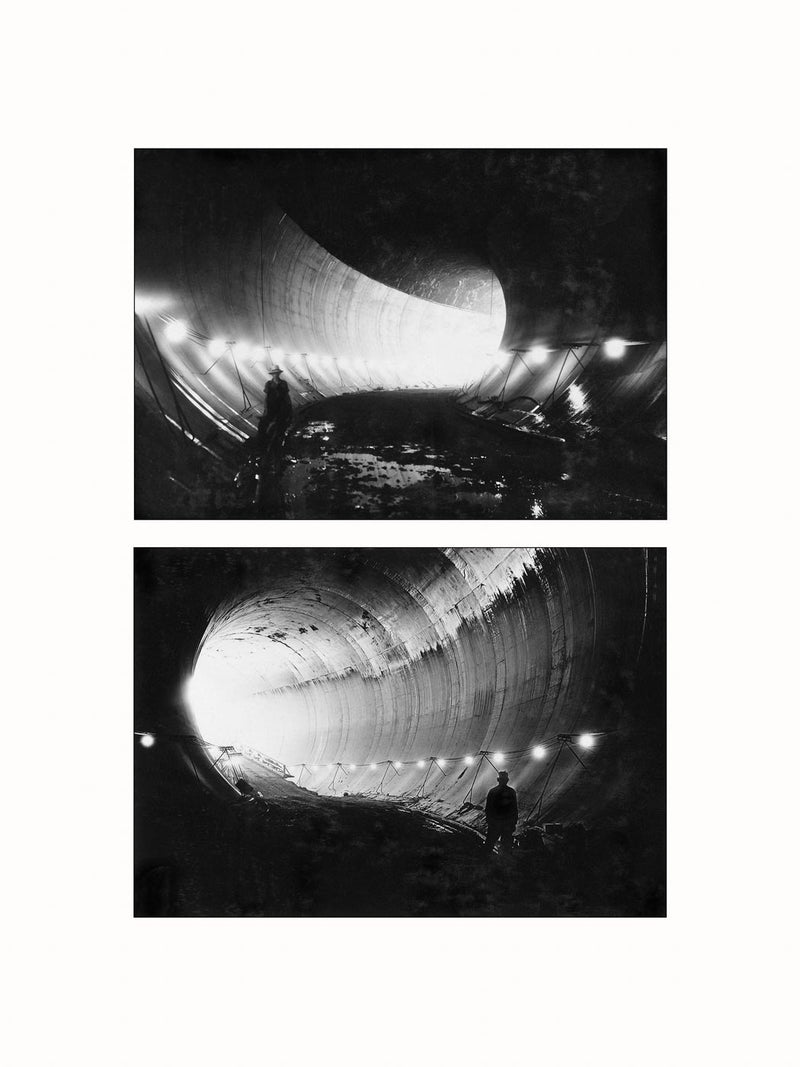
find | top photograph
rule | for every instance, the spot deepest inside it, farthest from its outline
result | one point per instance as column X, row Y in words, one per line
column 400, row 333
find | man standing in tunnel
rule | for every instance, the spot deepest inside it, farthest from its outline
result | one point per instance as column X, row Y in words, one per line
column 501, row 815
column 277, row 415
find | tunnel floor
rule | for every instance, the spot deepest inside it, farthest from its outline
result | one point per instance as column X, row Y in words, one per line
column 411, row 454
column 414, row 455
column 301, row 854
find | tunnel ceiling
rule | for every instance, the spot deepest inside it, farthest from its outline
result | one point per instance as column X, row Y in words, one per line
column 360, row 657
column 576, row 236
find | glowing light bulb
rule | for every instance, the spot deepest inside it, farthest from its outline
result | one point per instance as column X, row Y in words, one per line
column 468, row 760
column 398, row 766
column 147, row 740
column 539, row 752
column 421, row 763
column 373, row 766
column 176, row 331
column 216, row 347
column 614, row 347
column 586, row 741
column 440, row 762
column 352, row 766
column 538, row 354
column 498, row 757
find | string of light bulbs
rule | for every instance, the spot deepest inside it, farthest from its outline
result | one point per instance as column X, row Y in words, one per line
column 553, row 746
column 177, row 331
column 539, row 751
column 586, row 740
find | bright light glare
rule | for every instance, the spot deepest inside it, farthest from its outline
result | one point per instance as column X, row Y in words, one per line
column 398, row 766
column 538, row 354
column 176, row 331
column 373, row 766
column 577, row 398
column 586, row 741
column 468, row 760
column 614, row 347
column 539, row 752
column 213, row 751
column 216, row 347
column 147, row 740
column 352, row 766
column 498, row 757
column 421, row 763
column 440, row 762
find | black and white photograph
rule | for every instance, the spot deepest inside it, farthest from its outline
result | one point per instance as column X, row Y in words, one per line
column 455, row 732
column 400, row 333
column 287, row 785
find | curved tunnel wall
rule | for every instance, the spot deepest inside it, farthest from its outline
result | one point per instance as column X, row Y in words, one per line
column 564, row 247
column 364, row 657
column 253, row 296
column 256, row 295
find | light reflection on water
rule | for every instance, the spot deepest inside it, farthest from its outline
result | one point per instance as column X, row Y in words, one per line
column 576, row 398
column 390, row 459
column 317, row 429
column 374, row 468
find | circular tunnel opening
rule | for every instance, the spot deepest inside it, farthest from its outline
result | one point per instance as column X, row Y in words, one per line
column 310, row 712
column 421, row 675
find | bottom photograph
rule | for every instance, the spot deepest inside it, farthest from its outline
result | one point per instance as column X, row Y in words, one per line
column 419, row 732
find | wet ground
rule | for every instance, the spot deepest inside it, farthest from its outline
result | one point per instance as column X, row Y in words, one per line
column 299, row 854
column 407, row 455
column 412, row 454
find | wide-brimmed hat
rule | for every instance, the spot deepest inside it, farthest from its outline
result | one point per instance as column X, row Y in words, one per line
column 276, row 370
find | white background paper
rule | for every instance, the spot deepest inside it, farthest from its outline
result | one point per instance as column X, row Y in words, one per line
column 711, row 984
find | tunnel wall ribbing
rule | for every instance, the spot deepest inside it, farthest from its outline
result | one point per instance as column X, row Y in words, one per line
column 541, row 655
column 282, row 299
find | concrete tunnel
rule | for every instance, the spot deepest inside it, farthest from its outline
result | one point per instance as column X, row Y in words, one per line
column 229, row 284
column 390, row 673
column 260, row 292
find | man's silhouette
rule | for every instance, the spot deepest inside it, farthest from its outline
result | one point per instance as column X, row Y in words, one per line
column 501, row 815
column 277, row 415
column 273, row 427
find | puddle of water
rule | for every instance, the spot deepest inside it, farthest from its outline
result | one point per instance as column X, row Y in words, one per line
column 322, row 430
column 393, row 459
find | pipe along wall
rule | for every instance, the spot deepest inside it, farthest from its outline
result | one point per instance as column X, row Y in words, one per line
column 335, row 662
